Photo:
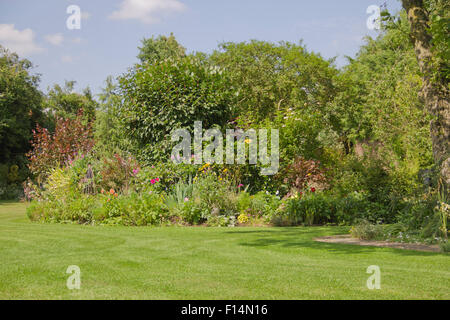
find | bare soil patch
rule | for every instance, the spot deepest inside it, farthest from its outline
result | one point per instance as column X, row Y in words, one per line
column 347, row 239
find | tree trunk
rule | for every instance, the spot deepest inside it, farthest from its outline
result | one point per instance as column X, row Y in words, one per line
column 434, row 94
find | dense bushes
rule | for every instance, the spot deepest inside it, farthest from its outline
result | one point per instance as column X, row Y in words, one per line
column 169, row 94
column 314, row 208
column 147, row 199
column 71, row 138
column 367, row 231
column 354, row 143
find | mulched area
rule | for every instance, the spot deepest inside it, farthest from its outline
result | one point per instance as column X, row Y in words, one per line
column 347, row 239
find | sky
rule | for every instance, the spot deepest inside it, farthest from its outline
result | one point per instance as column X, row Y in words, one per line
column 110, row 31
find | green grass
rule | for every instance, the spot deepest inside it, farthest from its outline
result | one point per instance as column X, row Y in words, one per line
column 204, row 263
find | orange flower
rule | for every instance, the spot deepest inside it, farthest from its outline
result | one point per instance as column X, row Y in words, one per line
column 115, row 195
column 111, row 191
column 103, row 191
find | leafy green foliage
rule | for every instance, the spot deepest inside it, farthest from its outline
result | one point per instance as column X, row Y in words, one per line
column 365, row 230
column 171, row 94
column 118, row 172
column 160, row 48
column 439, row 12
column 272, row 77
column 20, row 111
column 64, row 102
column 110, row 136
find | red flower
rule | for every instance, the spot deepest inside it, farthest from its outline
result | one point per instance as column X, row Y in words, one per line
column 157, row 179
column 313, row 189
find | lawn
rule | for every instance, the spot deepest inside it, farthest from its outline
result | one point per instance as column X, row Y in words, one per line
column 204, row 263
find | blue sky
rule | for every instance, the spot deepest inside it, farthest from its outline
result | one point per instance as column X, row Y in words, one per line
column 111, row 30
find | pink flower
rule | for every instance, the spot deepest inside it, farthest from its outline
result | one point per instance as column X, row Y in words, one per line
column 135, row 171
column 241, row 185
column 157, row 179
column 152, row 181
column 186, row 199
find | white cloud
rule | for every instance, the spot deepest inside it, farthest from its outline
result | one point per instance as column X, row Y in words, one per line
column 67, row 59
column 147, row 11
column 55, row 39
column 21, row 42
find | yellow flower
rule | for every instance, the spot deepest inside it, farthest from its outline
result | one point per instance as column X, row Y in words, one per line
column 243, row 218
column 248, row 140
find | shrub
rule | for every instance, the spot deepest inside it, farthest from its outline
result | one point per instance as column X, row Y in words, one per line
column 243, row 218
column 168, row 94
column 118, row 172
column 356, row 206
column 74, row 210
column 258, row 205
column 312, row 208
column 323, row 207
column 215, row 193
column 193, row 212
column 221, row 221
column 180, row 194
column 302, row 173
column 365, row 230
column 168, row 174
column 419, row 215
column 445, row 246
column 10, row 191
column 49, row 150
column 135, row 210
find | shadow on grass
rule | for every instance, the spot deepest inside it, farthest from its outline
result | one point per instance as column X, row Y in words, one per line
column 300, row 237
column 5, row 202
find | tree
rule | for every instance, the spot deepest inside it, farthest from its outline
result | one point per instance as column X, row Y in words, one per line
column 380, row 102
column 20, row 106
column 273, row 77
column 160, row 48
column 64, row 102
column 109, row 134
column 379, row 117
column 170, row 94
column 435, row 90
